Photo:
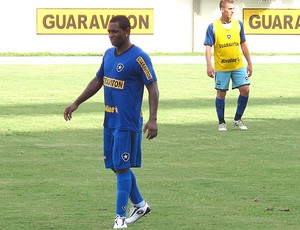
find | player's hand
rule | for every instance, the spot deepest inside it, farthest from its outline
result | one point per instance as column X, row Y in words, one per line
column 210, row 71
column 150, row 129
column 249, row 70
column 69, row 110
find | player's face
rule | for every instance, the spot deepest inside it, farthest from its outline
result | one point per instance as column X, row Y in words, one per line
column 227, row 11
column 116, row 35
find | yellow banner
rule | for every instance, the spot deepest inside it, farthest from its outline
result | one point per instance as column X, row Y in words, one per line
column 271, row 21
column 91, row 21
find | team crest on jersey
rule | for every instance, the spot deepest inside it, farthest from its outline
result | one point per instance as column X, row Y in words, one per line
column 120, row 67
column 229, row 36
column 125, row 156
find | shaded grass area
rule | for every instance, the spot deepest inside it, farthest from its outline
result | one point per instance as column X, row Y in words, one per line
column 52, row 174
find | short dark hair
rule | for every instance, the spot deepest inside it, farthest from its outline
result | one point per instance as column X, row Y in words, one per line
column 122, row 20
column 223, row 2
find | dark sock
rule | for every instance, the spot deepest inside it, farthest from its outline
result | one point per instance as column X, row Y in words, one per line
column 220, row 107
column 242, row 103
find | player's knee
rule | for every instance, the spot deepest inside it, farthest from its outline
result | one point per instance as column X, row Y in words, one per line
column 221, row 93
column 120, row 171
column 245, row 90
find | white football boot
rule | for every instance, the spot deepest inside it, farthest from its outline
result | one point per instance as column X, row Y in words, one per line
column 222, row 127
column 136, row 213
column 120, row 222
column 240, row 124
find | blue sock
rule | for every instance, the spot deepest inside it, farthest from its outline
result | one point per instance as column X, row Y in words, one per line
column 242, row 103
column 135, row 195
column 123, row 191
column 220, row 107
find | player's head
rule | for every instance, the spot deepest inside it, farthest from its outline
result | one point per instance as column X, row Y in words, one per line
column 227, row 8
column 123, row 21
column 119, row 30
column 223, row 3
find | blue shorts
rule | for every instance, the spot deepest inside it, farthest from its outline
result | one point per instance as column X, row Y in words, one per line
column 238, row 77
column 122, row 148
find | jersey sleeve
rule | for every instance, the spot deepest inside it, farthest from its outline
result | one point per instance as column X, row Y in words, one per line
column 242, row 33
column 145, row 68
column 210, row 36
column 100, row 73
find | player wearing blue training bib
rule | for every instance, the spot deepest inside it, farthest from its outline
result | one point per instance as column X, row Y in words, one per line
column 124, row 73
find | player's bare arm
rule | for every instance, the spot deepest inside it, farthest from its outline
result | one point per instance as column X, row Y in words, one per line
column 150, row 127
column 210, row 70
column 93, row 87
column 246, row 54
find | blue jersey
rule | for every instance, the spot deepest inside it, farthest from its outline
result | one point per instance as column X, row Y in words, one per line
column 124, row 77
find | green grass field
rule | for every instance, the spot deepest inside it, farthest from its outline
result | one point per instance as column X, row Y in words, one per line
column 52, row 174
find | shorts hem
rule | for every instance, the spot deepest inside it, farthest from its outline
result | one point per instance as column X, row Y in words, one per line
column 240, row 86
column 222, row 89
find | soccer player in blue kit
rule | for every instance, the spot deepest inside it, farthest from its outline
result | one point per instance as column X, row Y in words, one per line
column 123, row 73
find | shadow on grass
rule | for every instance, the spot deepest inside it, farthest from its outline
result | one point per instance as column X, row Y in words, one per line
column 184, row 135
column 91, row 107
